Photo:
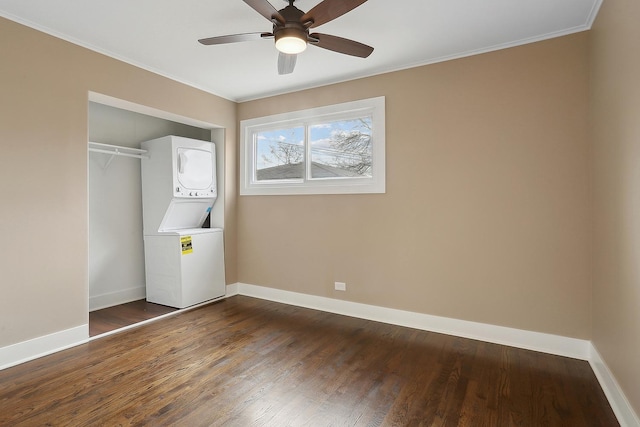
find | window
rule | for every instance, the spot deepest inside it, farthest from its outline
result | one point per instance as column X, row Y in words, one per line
column 328, row 150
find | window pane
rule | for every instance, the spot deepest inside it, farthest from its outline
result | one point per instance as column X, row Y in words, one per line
column 280, row 154
column 335, row 149
column 341, row 149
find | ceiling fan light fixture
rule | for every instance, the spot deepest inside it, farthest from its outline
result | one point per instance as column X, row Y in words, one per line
column 290, row 41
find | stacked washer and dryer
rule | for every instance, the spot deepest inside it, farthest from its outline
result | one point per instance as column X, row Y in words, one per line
column 184, row 263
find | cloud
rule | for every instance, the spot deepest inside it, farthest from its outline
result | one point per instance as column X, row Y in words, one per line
column 323, row 126
column 321, row 143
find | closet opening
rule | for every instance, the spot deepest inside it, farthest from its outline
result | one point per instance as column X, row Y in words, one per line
column 116, row 263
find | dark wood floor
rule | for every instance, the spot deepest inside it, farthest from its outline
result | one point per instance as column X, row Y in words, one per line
column 119, row 316
column 249, row 362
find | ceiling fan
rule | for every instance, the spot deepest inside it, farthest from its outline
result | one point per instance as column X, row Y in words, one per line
column 291, row 30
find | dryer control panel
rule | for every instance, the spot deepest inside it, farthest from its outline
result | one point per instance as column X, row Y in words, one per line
column 181, row 192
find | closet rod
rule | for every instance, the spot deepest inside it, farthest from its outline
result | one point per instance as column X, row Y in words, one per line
column 115, row 150
column 117, row 153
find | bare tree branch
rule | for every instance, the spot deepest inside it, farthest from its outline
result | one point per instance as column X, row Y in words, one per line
column 355, row 149
column 284, row 154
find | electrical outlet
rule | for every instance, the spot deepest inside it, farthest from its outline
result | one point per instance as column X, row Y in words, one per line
column 341, row 286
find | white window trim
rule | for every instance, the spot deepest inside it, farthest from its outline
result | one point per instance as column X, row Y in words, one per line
column 375, row 184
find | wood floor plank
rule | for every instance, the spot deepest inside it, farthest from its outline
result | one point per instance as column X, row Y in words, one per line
column 248, row 362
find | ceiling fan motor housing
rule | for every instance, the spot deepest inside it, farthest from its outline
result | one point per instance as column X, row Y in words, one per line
column 292, row 17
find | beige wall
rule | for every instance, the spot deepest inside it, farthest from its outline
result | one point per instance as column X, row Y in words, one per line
column 485, row 217
column 615, row 100
column 44, row 84
column 487, row 211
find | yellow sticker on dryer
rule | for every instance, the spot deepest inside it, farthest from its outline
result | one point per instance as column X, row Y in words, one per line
column 187, row 246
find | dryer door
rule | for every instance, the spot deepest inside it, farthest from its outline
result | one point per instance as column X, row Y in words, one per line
column 195, row 170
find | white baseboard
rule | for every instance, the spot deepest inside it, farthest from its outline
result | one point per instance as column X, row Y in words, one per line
column 231, row 290
column 547, row 343
column 97, row 302
column 24, row 351
column 618, row 401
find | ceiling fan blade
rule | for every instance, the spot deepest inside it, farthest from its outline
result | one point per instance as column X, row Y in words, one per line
column 286, row 63
column 264, row 8
column 338, row 44
column 234, row 38
column 329, row 10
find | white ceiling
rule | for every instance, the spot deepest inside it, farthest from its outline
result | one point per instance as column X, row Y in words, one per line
column 161, row 36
